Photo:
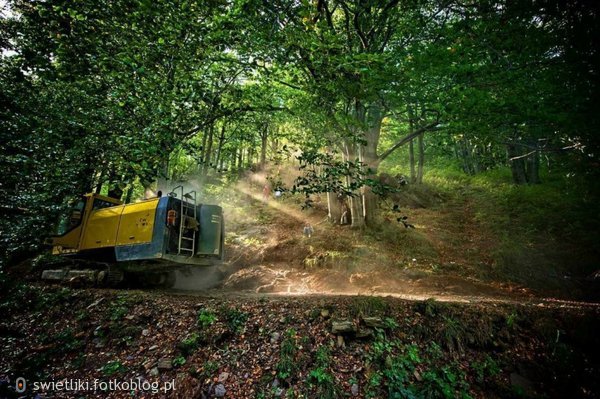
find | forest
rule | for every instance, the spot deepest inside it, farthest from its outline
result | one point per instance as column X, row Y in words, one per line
column 435, row 162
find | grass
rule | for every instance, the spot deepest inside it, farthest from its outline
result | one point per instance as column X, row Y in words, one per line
column 287, row 366
column 369, row 306
column 487, row 227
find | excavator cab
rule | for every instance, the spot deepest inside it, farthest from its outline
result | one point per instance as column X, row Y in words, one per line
column 69, row 231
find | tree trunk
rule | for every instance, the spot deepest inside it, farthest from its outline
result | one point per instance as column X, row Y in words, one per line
column 129, row 194
column 219, row 157
column 333, row 207
column 208, row 153
column 533, row 168
column 369, row 157
column 464, row 156
column 411, row 146
column 100, row 181
column 263, row 146
column 356, row 207
column 411, row 159
column 203, row 150
column 421, row 158
column 476, row 156
column 114, row 186
column 115, row 192
column 241, row 159
column 517, row 165
column 250, row 155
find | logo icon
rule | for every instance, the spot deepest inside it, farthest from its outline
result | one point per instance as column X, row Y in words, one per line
column 21, row 385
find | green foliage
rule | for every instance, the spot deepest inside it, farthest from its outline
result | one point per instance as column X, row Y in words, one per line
column 287, row 365
column 447, row 382
column 235, row 319
column 321, row 378
column 113, row 367
column 118, row 309
column 395, row 365
column 369, row 306
column 511, row 320
column 486, row 368
column 66, row 341
column 47, row 299
column 209, row 368
column 189, row 344
column 390, row 324
column 453, row 333
column 206, row 318
column 179, row 361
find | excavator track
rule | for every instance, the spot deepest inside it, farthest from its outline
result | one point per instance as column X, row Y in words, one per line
column 102, row 274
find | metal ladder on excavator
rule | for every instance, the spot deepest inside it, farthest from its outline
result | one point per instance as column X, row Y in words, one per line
column 184, row 210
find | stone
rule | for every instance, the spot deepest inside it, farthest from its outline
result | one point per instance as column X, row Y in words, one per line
column 374, row 322
column 223, row 376
column 153, row 347
column 364, row 333
column 275, row 337
column 354, row 389
column 165, row 363
column 342, row 327
column 340, row 341
column 154, row 372
column 220, row 390
column 324, row 313
column 418, row 376
column 145, row 332
column 275, row 383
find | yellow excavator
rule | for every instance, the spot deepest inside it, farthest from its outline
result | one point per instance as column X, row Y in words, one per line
column 105, row 241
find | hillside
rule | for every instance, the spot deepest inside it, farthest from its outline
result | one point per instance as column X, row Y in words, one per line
column 465, row 243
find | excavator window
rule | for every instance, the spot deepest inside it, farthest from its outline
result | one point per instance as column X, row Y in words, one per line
column 72, row 218
column 101, row 204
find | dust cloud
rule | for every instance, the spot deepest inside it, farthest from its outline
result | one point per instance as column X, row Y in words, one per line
column 199, row 278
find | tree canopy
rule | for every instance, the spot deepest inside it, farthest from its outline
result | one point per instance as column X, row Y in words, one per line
column 104, row 93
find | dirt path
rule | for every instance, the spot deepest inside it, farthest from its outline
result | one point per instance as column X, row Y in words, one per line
column 447, row 257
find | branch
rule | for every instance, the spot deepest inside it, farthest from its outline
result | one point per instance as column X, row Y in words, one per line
column 522, row 156
column 408, row 138
column 535, row 148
